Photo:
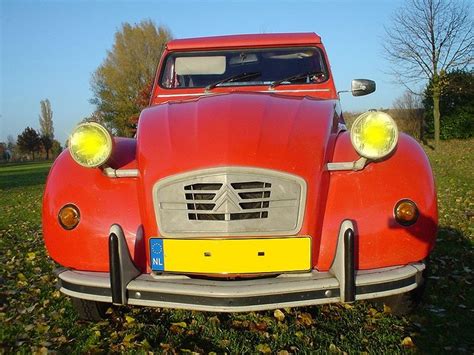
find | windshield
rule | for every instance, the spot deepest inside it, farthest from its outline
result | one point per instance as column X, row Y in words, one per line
column 220, row 68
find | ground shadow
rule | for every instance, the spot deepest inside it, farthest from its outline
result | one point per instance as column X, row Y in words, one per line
column 444, row 319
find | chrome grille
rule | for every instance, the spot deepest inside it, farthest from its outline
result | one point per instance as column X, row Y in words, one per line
column 229, row 201
column 219, row 202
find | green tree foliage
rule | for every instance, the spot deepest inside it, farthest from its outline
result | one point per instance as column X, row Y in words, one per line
column 456, row 105
column 3, row 151
column 29, row 141
column 129, row 68
column 56, row 148
column 47, row 144
column 95, row 116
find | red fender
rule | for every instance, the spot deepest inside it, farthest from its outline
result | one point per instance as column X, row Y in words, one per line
column 102, row 201
column 368, row 198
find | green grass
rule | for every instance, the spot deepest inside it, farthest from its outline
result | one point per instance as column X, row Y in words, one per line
column 34, row 316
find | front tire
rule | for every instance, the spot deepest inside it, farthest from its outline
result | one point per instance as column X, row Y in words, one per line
column 90, row 310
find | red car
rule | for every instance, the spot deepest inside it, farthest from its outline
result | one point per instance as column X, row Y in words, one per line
column 242, row 190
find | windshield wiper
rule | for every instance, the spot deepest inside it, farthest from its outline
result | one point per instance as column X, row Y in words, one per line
column 232, row 78
column 294, row 77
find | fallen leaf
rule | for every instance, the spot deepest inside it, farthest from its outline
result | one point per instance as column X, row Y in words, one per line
column 264, row 348
column 279, row 315
column 333, row 348
column 129, row 337
column 373, row 311
column 165, row 346
column 41, row 328
column 306, row 319
column 180, row 324
column 224, row 343
column 261, row 326
column 407, row 342
column 214, row 320
column 31, row 308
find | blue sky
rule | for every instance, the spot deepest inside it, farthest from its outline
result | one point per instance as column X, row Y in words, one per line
column 48, row 49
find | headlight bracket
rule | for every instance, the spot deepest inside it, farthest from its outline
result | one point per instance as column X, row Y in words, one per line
column 355, row 165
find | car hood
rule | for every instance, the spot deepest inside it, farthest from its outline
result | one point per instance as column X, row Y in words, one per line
column 249, row 129
column 282, row 133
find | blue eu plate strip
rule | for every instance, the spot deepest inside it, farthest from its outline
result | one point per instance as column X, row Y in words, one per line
column 157, row 255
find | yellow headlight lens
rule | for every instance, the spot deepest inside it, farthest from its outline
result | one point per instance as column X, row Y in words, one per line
column 90, row 144
column 374, row 134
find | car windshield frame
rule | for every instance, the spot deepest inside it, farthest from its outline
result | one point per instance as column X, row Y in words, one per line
column 320, row 65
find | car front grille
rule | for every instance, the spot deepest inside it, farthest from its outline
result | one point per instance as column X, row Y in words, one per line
column 229, row 201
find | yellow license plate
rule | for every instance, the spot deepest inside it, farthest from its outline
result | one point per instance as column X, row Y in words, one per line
column 236, row 256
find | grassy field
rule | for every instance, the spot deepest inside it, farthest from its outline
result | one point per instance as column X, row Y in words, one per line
column 34, row 316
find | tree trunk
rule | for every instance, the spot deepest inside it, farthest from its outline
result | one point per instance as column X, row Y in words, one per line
column 47, row 154
column 436, row 114
column 422, row 128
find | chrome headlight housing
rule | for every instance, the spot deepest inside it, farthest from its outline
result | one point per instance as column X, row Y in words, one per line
column 90, row 144
column 374, row 135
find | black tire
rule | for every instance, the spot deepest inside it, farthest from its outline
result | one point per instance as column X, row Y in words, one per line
column 90, row 310
column 406, row 303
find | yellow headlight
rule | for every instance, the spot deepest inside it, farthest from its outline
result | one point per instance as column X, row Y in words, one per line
column 374, row 135
column 90, row 144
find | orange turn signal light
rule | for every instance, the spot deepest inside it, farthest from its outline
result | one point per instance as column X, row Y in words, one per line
column 406, row 212
column 69, row 217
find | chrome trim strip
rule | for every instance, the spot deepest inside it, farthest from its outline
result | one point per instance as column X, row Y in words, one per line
column 120, row 173
column 356, row 165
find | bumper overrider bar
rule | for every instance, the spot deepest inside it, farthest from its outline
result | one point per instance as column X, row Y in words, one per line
column 126, row 285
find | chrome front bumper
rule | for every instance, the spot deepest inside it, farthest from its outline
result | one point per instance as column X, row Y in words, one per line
column 125, row 285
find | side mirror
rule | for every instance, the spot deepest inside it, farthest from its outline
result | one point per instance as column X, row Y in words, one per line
column 361, row 87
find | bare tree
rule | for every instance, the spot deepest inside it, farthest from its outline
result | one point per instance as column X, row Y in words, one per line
column 408, row 109
column 46, row 126
column 11, row 142
column 46, row 119
column 427, row 39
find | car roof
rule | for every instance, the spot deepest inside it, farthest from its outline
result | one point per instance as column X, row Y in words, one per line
column 245, row 40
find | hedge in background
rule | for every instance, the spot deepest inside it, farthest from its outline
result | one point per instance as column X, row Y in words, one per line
column 456, row 106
